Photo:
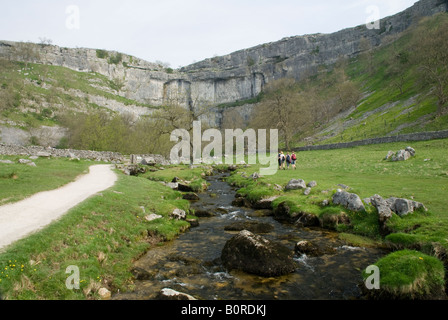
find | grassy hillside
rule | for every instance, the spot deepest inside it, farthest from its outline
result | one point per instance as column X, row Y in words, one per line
column 35, row 95
column 395, row 99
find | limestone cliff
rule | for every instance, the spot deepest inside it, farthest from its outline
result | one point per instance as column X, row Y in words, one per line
column 235, row 77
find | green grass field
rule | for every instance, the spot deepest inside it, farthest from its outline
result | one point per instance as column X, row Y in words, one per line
column 106, row 233
column 405, row 274
column 366, row 173
column 18, row 181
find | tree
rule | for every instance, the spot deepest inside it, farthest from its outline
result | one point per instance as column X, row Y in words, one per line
column 398, row 65
column 181, row 110
column 284, row 108
column 232, row 119
column 367, row 54
column 9, row 81
column 430, row 53
column 347, row 92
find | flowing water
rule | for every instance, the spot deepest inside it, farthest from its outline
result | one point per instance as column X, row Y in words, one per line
column 191, row 263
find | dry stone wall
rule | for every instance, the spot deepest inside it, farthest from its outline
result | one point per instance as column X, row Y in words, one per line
column 420, row 136
column 62, row 153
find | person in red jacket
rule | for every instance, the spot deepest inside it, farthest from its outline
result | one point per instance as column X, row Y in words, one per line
column 294, row 160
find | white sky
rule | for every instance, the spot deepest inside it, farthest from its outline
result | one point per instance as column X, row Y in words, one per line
column 181, row 31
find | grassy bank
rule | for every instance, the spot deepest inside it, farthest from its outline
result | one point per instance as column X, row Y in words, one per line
column 193, row 176
column 423, row 178
column 409, row 274
column 102, row 237
column 366, row 173
column 18, row 181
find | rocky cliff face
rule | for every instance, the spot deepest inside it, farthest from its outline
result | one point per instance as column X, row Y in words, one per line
column 238, row 76
column 241, row 75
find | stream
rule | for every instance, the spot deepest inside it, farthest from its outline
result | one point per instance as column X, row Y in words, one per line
column 191, row 263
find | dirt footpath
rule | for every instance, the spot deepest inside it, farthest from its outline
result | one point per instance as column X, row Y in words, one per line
column 18, row 220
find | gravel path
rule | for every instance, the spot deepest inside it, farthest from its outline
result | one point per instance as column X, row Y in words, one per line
column 19, row 219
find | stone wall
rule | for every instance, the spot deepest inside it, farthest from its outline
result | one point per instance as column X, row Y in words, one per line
column 420, row 136
column 62, row 153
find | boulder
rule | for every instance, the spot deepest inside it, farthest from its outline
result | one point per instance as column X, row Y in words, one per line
column 152, row 217
column 241, row 202
column 190, row 196
column 252, row 226
column 307, row 191
column 306, row 220
column 256, row 255
column 283, row 212
column 278, row 187
column 178, row 214
column 184, row 187
column 312, row 184
column 402, row 155
column 387, row 207
column 296, row 184
column 6, row 161
column 104, row 294
column 200, row 213
column 411, row 151
column 172, row 185
column 170, row 294
column 141, row 274
column 133, row 170
column 349, row 200
column 265, row 203
column 384, row 213
column 193, row 222
column 148, row 161
column 312, row 250
column 403, row 207
column 255, row 176
column 389, row 155
column 383, row 207
column 44, row 154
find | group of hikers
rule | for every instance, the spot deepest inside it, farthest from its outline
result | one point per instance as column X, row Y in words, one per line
column 285, row 161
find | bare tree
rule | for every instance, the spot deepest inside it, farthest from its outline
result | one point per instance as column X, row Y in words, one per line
column 283, row 108
column 181, row 110
column 367, row 54
column 232, row 119
column 347, row 92
column 43, row 41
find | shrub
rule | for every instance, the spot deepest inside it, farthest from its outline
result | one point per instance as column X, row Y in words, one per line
column 102, row 54
column 116, row 59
